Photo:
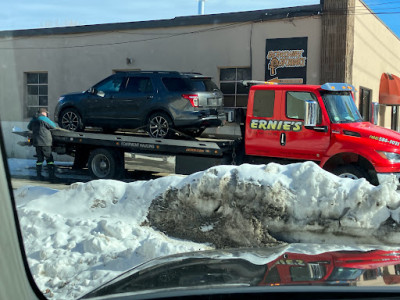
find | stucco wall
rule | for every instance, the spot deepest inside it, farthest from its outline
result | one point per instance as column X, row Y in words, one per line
column 376, row 51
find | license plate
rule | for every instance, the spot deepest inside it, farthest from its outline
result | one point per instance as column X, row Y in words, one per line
column 212, row 102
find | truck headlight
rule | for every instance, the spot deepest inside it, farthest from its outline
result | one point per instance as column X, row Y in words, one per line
column 61, row 98
column 391, row 156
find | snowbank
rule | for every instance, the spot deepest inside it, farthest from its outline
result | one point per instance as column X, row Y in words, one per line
column 254, row 205
column 80, row 237
column 87, row 234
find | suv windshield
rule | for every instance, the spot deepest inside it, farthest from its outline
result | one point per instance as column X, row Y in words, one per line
column 341, row 107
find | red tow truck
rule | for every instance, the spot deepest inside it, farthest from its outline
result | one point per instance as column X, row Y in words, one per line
column 321, row 124
column 282, row 123
column 335, row 268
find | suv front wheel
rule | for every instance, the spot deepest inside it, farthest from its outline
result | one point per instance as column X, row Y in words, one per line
column 70, row 119
column 159, row 125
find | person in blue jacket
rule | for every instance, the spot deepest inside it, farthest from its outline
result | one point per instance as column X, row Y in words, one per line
column 43, row 141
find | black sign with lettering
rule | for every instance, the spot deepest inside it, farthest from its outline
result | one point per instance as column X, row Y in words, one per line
column 286, row 60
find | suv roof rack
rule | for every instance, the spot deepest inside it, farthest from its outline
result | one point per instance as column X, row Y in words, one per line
column 147, row 71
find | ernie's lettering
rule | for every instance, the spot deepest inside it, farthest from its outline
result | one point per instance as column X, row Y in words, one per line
column 276, row 125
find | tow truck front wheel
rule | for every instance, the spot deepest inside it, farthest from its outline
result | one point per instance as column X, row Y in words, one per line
column 352, row 172
column 105, row 164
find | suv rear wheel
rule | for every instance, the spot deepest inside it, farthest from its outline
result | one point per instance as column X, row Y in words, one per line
column 159, row 125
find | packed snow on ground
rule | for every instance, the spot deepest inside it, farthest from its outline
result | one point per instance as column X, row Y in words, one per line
column 85, row 235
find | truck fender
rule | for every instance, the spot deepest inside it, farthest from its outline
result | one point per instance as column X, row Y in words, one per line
column 354, row 161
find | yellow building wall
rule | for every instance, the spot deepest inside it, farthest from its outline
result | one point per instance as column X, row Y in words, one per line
column 376, row 51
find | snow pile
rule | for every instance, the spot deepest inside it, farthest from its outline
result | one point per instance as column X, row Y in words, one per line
column 78, row 238
column 85, row 235
column 251, row 205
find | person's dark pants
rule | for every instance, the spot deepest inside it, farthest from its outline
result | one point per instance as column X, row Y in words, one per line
column 44, row 153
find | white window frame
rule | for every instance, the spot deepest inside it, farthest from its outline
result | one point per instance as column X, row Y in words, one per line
column 236, row 82
column 38, row 84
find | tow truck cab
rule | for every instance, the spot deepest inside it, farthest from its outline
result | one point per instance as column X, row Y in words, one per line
column 320, row 123
column 337, row 268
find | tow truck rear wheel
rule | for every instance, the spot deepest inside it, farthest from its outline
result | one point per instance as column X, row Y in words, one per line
column 352, row 172
column 105, row 164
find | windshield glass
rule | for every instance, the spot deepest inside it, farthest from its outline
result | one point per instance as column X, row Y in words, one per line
column 341, row 107
column 154, row 146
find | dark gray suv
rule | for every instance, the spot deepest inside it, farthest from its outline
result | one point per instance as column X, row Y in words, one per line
column 157, row 101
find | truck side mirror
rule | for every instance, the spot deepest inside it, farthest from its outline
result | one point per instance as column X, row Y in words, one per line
column 374, row 113
column 311, row 113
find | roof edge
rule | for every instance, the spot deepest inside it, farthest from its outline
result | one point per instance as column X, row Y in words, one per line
column 195, row 20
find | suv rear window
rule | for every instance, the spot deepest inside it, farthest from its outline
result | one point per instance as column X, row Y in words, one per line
column 176, row 84
column 203, row 85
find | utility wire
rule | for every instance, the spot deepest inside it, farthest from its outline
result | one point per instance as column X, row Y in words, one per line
column 231, row 25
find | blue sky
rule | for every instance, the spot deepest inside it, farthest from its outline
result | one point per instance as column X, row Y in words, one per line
column 25, row 14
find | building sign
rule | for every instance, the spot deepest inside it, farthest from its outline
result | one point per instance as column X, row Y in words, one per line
column 286, row 60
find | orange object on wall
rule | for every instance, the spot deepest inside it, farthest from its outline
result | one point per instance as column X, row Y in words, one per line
column 389, row 90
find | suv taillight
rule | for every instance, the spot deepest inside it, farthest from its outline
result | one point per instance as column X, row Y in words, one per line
column 193, row 98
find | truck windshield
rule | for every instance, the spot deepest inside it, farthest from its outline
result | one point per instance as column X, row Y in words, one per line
column 341, row 107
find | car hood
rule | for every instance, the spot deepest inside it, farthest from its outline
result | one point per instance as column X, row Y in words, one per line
column 366, row 130
column 74, row 95
column 295, row 264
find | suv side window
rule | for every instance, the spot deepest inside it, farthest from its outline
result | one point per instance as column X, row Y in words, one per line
column 295, row 104
column 176, row 84
column 109, row 85
column 138, row 85
column 263, row 105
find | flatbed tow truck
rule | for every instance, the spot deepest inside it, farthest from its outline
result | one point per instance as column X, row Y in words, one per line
column 282, row 123
column 109, row 155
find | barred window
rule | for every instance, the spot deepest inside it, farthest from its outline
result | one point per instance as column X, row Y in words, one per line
column 235, row 93
column 36, row 92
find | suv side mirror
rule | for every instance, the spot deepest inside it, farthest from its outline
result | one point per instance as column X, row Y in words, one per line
column 374, row 113
column 92, row 90
column 311, row 113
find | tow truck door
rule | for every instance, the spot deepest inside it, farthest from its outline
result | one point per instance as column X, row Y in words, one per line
column 296, row 141
column 264, row 108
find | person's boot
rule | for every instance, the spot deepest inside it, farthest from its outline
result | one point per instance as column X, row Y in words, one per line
column 39, row 175
column 52, row 176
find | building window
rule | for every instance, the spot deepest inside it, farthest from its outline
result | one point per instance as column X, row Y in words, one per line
column 395, row 118
column 235, row 93
column 365, row 103
column 36, row 92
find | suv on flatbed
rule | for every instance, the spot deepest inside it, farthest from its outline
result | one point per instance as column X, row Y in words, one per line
column 157, row 101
